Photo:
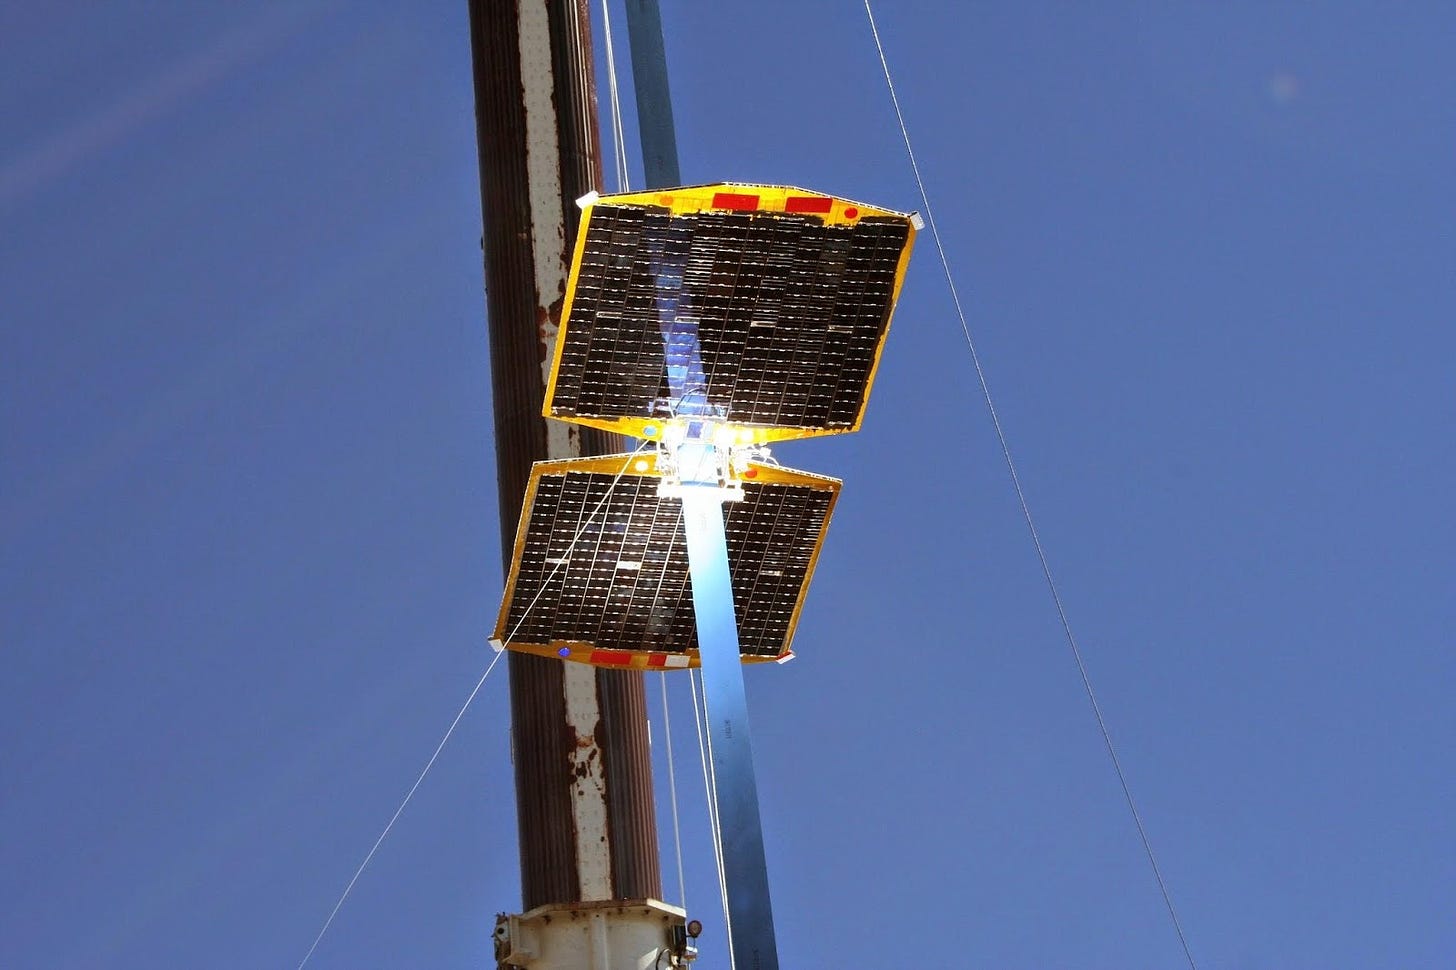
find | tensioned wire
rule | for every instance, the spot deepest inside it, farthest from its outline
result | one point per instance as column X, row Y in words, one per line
column 1025, row 506
column 710, row 785
column 466, row 706
column 619, row 150
column 620, row 170
column 682, row 891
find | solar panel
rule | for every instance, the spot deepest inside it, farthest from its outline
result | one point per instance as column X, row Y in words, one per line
column 710, row 320
column 600, row 573
column 786, row 296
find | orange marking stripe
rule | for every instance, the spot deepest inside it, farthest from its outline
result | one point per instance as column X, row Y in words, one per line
column 808, row 203
column 734, row 200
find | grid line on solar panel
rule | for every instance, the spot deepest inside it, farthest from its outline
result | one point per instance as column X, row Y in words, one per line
column 789, row 312
column 624, row 584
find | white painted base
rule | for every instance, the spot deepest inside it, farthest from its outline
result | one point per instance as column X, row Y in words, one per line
column 618, row 935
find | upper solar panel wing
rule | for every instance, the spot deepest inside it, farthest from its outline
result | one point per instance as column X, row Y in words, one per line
column 601, row 572
column 783, row 295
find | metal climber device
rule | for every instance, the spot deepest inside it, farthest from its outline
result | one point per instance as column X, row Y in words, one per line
column 708, row 322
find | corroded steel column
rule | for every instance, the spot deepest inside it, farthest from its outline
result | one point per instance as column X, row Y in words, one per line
column 583, row 770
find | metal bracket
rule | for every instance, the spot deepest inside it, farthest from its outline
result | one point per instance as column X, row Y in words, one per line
column 698, row 467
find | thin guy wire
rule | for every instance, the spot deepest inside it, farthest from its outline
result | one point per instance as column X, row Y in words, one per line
column 619, row 136
column 612, row 89
column 711, row 777
column 465, row 707
column 399, row 811
column 586, row 523
column 619, row 144
column 709, row 785
column 619, row 141
column 1026, row 508
column 682, row 891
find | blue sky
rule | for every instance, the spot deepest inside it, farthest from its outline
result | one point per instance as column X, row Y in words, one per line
column 248, row 515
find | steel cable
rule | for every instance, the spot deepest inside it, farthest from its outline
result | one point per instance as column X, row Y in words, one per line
column 1026, row 508
column 465, row 707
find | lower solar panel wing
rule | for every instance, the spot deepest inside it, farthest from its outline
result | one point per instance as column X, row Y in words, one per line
column 600, row 573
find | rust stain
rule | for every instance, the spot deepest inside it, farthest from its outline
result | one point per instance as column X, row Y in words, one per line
column 545, row 323
column 548, row 320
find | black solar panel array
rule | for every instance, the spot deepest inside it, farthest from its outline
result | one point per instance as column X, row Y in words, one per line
column 623, row 583
column 790, row 313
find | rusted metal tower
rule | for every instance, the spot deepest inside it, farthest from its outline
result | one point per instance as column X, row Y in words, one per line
column 587, row 825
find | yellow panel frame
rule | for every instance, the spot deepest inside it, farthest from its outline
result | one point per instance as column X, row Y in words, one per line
column 704, row 198
column 645, row 464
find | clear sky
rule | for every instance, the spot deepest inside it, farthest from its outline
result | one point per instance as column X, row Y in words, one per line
column 247, row 493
